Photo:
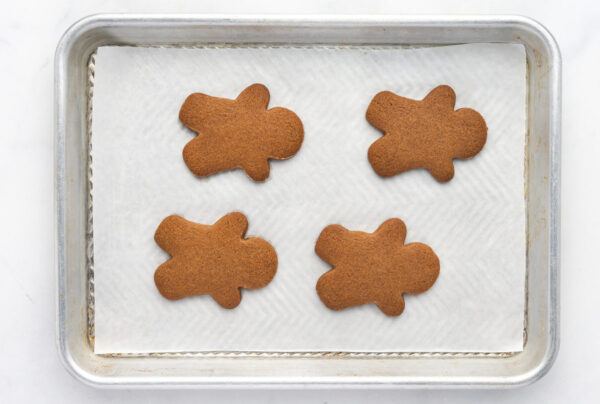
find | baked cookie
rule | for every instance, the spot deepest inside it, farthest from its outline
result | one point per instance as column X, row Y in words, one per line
column 240, row 133
column 215, row 260
column 373, row 267
column 423, row 134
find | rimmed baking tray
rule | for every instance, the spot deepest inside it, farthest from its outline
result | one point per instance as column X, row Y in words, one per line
column 327, row 370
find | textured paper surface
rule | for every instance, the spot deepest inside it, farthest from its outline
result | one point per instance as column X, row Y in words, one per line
column 475, row 223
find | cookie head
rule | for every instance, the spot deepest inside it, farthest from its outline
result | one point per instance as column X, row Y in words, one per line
column 240, row 133
column 373, row 267
column 217, row 260
column 423, row 134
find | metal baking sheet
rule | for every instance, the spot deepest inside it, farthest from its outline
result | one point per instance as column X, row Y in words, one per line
column 403, row 369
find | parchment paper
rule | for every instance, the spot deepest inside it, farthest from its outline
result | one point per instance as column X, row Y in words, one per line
column 475, row 223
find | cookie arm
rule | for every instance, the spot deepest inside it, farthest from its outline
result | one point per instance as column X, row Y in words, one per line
column 392, row 303
column 391, row 231
column 258, row 169
column 442, row 169
column 255, row 96
column 233, row 224
column 228, row 298
column 441, row 97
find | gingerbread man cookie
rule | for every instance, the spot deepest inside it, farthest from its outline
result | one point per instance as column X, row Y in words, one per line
column 423, row 134
column 215, row 260
column 240, row 133
column 373, row 267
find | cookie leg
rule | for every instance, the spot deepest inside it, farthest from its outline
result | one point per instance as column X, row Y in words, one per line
column 205, row 155
column 330, row 242
column 170, row 281
column 337, row 291
column 173, row 230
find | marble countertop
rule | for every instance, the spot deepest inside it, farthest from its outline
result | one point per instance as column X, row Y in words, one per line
column 30, row 370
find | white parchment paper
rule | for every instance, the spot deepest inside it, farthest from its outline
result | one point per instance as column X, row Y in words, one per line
column 475, row 223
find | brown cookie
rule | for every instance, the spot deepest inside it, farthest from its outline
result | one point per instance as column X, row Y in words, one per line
column 215, row 260
column 240, row 133
column 373, row 267
column 423, row 134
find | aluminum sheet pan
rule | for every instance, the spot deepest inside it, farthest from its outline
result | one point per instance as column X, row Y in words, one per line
column 73, row 212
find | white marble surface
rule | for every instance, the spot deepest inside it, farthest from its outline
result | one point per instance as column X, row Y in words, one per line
column 30, row 370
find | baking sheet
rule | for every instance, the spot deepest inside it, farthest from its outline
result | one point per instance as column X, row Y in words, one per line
column 475, row 223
